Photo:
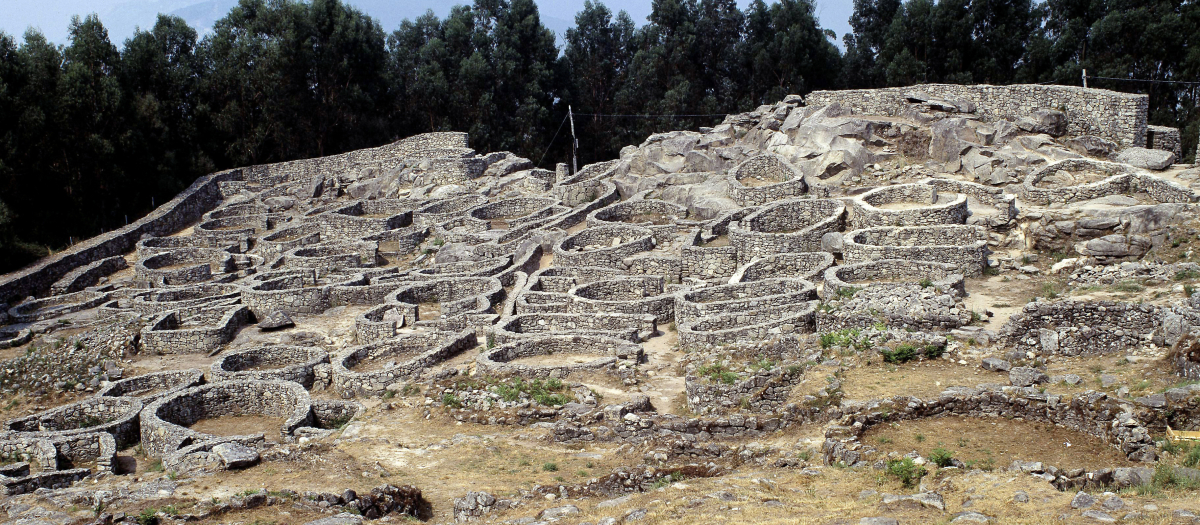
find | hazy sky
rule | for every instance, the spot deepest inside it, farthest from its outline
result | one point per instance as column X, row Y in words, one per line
column 122, row 16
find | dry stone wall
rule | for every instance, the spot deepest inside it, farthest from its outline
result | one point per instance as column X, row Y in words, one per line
column 1118, row 117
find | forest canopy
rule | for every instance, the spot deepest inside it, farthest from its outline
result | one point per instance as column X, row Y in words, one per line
column 93, row 135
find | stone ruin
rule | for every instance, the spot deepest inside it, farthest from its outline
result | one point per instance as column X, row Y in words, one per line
column 315, row 286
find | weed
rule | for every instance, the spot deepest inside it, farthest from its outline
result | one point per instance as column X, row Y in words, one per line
column 1186, row 274
column 450, row 400
column 906, row 470
column 902, row 354
column 155, row 466
column 550, row 466
column 388, row 394
column 491, row 341
column 941, row 457
column 883, row 440
column 1128, row 286
column 543, row 392
column 991, row 272
column 847, row 292
column 147, row 516
column 934, row 351
column 1192, row 458
column 1049, row 290
column 804, row 455
column 920, row 438
column 926, row 283
column 718, row 373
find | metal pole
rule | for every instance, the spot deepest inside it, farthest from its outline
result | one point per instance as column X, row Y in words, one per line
column 1085, row 78
column 574, row 142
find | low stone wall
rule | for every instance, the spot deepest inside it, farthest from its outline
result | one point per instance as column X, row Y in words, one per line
column 54, row 306
column 382, row 322
column 964, row 246
column 1005, row 204
column 758, row 324
column 865, row 211
column 604, row 246
column 638, row 211
column 763, row 179
column 1091, row 413
column 455, row 296
column 183, row 300
column 164, row 335
column 786, row 227
column 282, row 363
column 440, row 211
column 1081, row 327
column 764, row 391
column 88, row 275
column 58, row 479
column 181, row 266
column 412, row 353
column 164, row 423
column 151, row 387
column 732, row 298
column 1119, row 117
column 185, row 208
column 1122, row 180
column 1164, row 138
column 807, row 266
column 707, row 262
column 117, row 416
column 626, row 295
column 626, row 327
column 499, row 361
column 844, row 279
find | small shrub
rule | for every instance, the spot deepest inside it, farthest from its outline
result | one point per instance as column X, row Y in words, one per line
column 926, row 283
column 450, row 400
column 1192, row 458
column 550, row 466
column 147, row 517
column 941, row 457
column 1186, row 274
column 902, row 354
column 934, row 351
column 847, row 292
column 906, row 470
column 920, row 438
column 155, row 466
column 718, row 373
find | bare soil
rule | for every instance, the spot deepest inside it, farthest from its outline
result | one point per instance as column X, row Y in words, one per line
column 241, row 426
column 997, row 442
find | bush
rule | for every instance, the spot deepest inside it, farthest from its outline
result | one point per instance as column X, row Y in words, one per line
column 934, row 351
column 906, row 470
column 941, row 457
column 550, row 466
column 718, row 373
column 902, row 354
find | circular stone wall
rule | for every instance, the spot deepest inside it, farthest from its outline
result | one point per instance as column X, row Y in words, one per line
column 807, row 266
column 906, row 205
column 604, row 246
column 165, row 422
column 887, row 272
column 499, row 360
column 964, row 246
column 786, row 227
column 284, row 363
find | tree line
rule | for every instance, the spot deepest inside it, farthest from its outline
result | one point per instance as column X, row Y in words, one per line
column 93, row 136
